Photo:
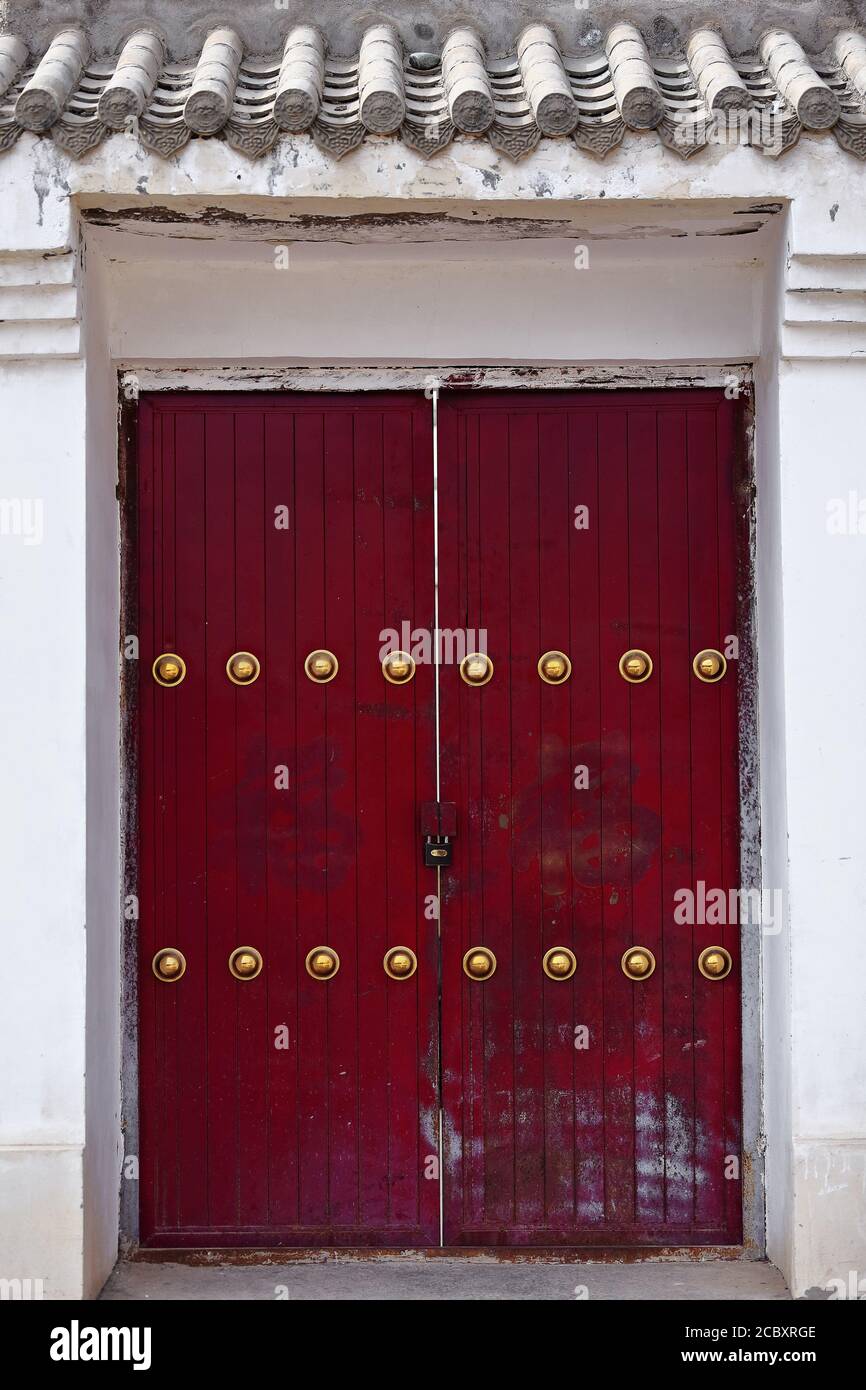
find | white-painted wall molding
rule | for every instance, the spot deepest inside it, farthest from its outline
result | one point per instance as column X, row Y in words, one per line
column 39, row 309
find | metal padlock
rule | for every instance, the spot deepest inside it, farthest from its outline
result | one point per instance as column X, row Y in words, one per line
column 437, row 852
column 438, row 827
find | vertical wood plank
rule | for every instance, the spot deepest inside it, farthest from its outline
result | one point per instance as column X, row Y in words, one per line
column 646, row 860
column 222, row 1073
column 251, row 800
column 525, row 752
column 677, row 966
column 456, row 902
column 373, row 1040
column 706, row 750
column 728, row 481
column 491, row 821
column 314, row 1054
column 342, row 850
column 401, row 847
column 170, row 1078
column 586, row 842
column 192, row 814
column 147, row 882
column 616, row 924
column 556, row 779
column 281, row 675
column 425, row 929
column 476, row 1003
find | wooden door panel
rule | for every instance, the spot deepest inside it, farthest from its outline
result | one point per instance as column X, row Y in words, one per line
column 325, row 1140
column 597, row 1110
column 625, row 1140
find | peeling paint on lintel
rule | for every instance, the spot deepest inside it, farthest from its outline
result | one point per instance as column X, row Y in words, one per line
column 494, row 376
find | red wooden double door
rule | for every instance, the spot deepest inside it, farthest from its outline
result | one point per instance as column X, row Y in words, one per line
column 582, row 1086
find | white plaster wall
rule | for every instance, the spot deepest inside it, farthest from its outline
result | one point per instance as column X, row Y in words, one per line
column 812, row 385
column 59, row 1015
column 42, row 828
column 825, row 716
column 775, row 949
column 152, row 301
column 521, row 301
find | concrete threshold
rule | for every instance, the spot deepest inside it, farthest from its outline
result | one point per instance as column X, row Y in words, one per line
column 336, row 1276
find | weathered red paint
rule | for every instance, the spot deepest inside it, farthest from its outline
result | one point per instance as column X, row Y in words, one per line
column 324, row 1142
column 624, row 1141
column 333, row 1140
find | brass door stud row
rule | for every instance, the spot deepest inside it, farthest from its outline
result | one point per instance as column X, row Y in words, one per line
column 559, row 963
column 398, row 668
column 242, row 668
column 479, row 963
column 636, row 666
column 245, row 963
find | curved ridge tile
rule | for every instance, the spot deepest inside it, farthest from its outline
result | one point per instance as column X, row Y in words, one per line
column 43, row 98
column 547, row 88
column 797, row 81
column 381, row 98
column 716, row 78
column 638, row 97
column 850, row 51
column 301, row 79
column 13, row 56
column 209, row 104
column 127, row 93
column 467, row 85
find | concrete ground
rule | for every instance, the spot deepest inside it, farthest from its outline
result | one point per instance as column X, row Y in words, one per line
column 414, row 1278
